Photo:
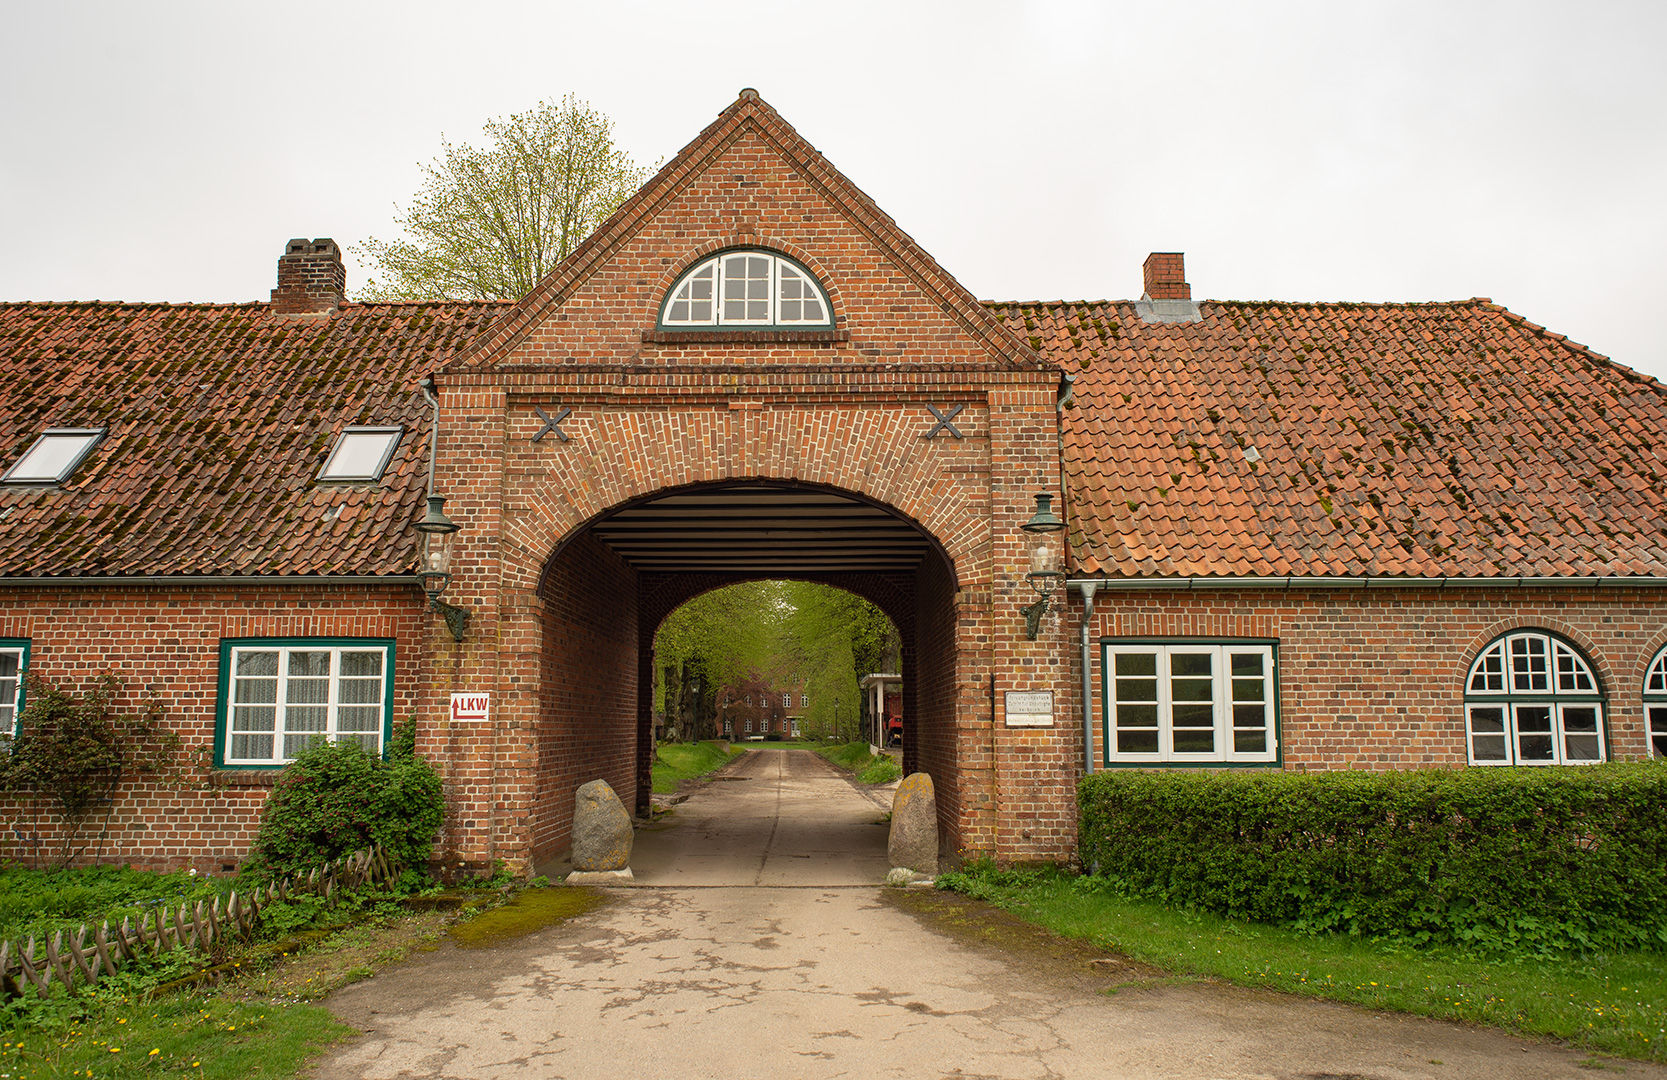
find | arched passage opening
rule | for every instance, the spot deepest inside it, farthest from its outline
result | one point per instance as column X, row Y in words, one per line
column 610, row 583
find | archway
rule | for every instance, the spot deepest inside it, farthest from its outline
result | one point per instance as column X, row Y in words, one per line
column 610, row 583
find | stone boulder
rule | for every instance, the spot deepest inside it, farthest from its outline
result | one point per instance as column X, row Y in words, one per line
column 914, row 825
column 602, row 833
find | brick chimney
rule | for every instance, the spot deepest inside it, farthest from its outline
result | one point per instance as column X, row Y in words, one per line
column 311, row 280
column 1166, row 276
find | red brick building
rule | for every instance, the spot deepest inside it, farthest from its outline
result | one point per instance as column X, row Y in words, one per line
column 1313, row 535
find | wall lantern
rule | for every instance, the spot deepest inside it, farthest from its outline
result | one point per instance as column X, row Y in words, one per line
column 435, row 574
column 1045, row 574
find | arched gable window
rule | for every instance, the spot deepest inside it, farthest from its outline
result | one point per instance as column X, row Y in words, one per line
column 746, row 288
column 1531, row 699
column 1655, row 704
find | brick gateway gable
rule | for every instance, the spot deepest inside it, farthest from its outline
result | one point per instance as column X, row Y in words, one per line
column 1365, row 495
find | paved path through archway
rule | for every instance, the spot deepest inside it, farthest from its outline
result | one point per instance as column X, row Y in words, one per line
column 763, row 962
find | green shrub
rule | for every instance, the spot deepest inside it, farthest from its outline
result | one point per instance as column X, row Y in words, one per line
column 1538, row 860
column 334, row 799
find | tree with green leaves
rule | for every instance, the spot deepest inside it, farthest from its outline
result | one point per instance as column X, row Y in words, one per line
column 488, row 223
column 780, row 633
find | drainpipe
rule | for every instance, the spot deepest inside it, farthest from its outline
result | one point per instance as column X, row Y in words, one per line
column 1087, row 588
column 433, row 430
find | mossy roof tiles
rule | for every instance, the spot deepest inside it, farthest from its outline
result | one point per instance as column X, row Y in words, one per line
column 1445, row 439
column 218, row 417
column 1440, row 439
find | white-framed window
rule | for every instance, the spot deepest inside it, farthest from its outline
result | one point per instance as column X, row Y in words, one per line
column 1655, row 705
column 361, row 454
column 14, row 665
column 278, row 696
column 804, row 701
column 749, row 727
column 729, row 727
column 746, row 288
column 795, row 729
column 1530, row 698
column 787, row 701
column 53, row 456
column 1190, row 701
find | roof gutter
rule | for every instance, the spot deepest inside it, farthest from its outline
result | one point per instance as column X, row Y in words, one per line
column 1185, row 584
column 197, row 580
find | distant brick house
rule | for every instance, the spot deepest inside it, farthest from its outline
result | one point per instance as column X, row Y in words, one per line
column 1296, row 535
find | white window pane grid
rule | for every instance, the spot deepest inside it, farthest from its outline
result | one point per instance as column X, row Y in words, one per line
column 1189, row 703
column 1657, row 719
column 797, row 300
column 694, row 303
column 360, row 455
column 1529, row 668
column 1535, row 733
column 52, row 456
column 1573, row 677
column 286, row 698
column 1487, row 676
column 746, row 289
column 1656, row 681
column 11, row 687
column 1549, row 729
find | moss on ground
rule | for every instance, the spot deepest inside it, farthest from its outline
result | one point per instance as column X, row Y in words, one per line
column 527, row 911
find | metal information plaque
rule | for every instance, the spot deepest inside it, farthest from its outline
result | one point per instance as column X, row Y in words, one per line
column 1029, row 708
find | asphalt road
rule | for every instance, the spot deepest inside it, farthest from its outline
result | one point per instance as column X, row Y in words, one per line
column 757, row 945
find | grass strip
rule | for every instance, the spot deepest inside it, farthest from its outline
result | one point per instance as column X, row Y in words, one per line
column 870, row 768
column 677, row 762
column 1614, row 1003
column 176, row 1035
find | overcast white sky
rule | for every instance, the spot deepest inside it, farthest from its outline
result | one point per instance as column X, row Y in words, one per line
column 1294, row 151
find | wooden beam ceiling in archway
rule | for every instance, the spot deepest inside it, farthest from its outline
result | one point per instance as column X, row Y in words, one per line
column 749, row 528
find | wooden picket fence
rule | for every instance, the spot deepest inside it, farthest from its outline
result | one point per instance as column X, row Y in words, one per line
column 77, row 960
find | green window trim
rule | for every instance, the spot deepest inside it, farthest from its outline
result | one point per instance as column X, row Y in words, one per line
column 10, row 648
column 1225, row 700
column 1655, row 705
column 224, row 694
column 1533, row 698
column 786, row 296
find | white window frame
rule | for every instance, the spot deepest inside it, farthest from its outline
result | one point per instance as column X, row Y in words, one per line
column 1221, row 700
column 804, row 700
column 1655, row 705
column 231, row 687
column 772, row 317
column 392, row 434
column 1532, row 677
column 12, row 696
column 89, row 439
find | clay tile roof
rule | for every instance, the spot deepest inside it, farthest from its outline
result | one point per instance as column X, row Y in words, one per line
column 218, row 416
column 1439, row 439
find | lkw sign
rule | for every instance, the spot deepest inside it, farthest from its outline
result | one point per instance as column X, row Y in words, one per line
column 470, row 708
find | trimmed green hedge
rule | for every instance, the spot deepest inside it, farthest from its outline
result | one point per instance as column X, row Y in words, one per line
column 1536, row 859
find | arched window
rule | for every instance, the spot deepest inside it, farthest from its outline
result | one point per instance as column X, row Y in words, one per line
column 1531, row 699
column 1655, row 704
column 746, row 288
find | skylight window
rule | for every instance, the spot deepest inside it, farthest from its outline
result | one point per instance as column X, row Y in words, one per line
column 54, row 456
column 746, row 288
column 361, row 454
